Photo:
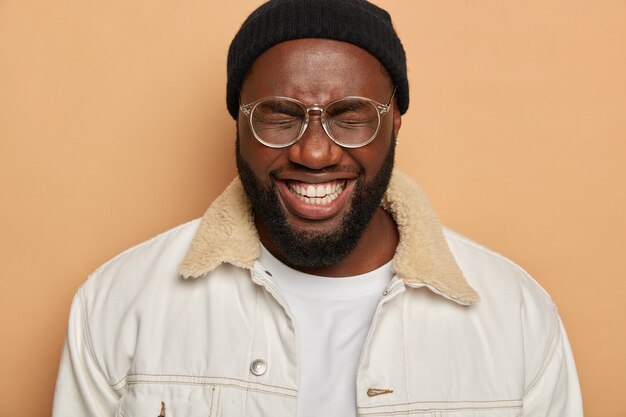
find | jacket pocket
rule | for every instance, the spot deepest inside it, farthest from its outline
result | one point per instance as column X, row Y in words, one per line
column 153, row 395
column 198, row 396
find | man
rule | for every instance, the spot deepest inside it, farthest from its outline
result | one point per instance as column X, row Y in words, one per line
column 320, row 283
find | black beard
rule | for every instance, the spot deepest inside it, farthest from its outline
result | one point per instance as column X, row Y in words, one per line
column 309, row 249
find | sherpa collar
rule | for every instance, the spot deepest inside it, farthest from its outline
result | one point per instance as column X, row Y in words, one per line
column 227, row 235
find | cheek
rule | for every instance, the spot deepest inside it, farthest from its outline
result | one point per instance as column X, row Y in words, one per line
column 372, row 157
column 261, row 159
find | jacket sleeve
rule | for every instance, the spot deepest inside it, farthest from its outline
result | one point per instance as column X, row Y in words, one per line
column 555, row 391
column 82, row 389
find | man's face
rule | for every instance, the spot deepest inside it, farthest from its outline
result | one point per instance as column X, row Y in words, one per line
column 305, row 232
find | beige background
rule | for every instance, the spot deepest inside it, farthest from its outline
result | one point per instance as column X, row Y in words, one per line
column 113, row 127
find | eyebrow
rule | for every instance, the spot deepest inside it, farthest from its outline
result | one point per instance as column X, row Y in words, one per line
column 348, row 105
column 279, row 107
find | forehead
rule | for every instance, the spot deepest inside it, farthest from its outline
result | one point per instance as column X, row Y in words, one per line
column 316, row 70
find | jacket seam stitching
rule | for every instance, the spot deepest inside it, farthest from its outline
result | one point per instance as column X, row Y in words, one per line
column 252, row 342
column 85, row 325
column 447, row 402
column 122, row 404
column 118, row 383
column 406, row 359
column 425, row 410
column 548, row 359
column 216, row 384
column 88, row 338
column 217, row 404
column 120, row 389
column 211, row 401
column 206, row 377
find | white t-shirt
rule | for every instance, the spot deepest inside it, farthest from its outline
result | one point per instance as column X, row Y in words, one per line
column 332, row 317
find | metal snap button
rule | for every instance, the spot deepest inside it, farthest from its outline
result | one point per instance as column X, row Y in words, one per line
column 258, row 367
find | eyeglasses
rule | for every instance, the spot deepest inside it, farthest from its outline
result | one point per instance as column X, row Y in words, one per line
column 350, row 122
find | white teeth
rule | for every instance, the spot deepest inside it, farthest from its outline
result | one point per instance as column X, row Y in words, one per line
column 318, row 193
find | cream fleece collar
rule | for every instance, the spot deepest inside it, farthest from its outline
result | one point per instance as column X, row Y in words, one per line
column 227, row 235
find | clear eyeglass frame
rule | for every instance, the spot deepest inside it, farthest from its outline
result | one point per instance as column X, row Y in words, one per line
column 382, row 109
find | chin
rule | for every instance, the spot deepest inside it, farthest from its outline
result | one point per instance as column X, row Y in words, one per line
column 319, row 242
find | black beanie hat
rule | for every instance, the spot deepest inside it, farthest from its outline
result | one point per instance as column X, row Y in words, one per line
column 354, row 21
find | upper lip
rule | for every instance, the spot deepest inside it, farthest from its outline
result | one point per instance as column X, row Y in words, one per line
column 313, row 178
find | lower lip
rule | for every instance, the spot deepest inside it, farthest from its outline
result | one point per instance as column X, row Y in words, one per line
column 315, row 211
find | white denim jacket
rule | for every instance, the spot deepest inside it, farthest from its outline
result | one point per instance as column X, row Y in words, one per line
column 143, row 341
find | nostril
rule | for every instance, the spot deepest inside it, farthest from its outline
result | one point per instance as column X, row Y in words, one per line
column 315, row 150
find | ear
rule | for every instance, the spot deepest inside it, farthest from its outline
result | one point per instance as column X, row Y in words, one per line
column 397, row 121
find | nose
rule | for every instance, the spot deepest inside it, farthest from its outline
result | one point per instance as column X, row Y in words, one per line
column 315, row 149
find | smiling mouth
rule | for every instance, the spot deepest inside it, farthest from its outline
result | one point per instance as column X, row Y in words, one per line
column 323, row 193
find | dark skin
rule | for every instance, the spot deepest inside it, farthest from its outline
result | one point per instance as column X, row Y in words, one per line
column 320, row 71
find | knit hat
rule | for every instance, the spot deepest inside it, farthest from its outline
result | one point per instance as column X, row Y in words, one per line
column 354, row 21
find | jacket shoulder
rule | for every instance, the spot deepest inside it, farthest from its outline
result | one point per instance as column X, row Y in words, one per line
column 492, row 274
column 166, row 249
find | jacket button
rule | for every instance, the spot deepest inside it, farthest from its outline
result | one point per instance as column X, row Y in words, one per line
column 258, row 367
